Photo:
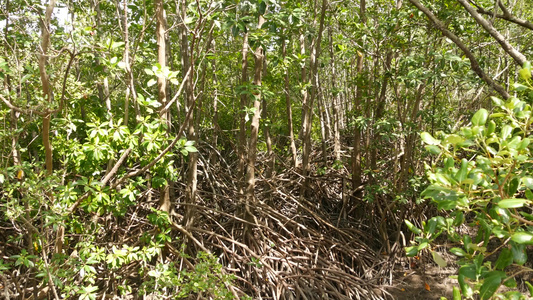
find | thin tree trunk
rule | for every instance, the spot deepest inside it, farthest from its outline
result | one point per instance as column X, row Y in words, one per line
column 335, row 102
column 307, row 121
column 254, row 133
column 241, row 148
column 323, row 121
column 266, row 130
column 160, row 33
column 129, row 73
column 356, row 152
column 289, row 108
column 188, row 63
column 45, row 81
column 518, row 57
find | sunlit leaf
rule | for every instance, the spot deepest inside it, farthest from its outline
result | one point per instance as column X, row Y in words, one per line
column 523, row 237
column 512, row 203
column 480, row 117
column 428, row 139
column 437, row 258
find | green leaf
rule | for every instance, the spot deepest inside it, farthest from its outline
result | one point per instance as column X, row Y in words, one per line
column 530, row 288
column 433, row 149
column 461, row 174
column 525, row 74
column 151, row 82
column 506, row 131
column 522, row 237
column 428, row 139
column 468, row 271
column 454, row 139
column 412, row 227
column 491, row 127
column 527, row 66
column 491, row 284
column 116, row 44
column 512, row 203
column 458, row 251
column 519, row 87
column 480, row 117
column 191, row 149
column 523, row 145
column 431, row 226
column 411, row 251
column 528, row 182
column 510, row 283
column 497, row 101
column 465, row 288
column 505, row 259
column 456, row 293
column 437, row 258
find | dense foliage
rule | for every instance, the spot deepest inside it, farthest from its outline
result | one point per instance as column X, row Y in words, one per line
column 244, row 149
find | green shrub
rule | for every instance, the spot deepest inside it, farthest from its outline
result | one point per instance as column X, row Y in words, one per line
column 483, row 178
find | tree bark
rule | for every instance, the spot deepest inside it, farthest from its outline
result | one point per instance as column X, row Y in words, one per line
column 507, row 16
column 160, row 33
column 45, row 81
column 254, row 133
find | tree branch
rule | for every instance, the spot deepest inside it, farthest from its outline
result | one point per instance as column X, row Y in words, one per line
column 473, row 61
column 506, row 16
column 518, row 57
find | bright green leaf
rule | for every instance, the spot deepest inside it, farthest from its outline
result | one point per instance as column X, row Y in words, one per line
column 412, row 227
column 519, row 87
column 458, row 251
column 512, row 203
column 428, row 139
column 456, row 293
column 480, row 117
column 523, row 237
column 151, row 82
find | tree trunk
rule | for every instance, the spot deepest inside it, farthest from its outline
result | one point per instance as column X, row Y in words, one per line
column 45, row 81
column 289, row 108
column 335, row 102
column 241, row 148
column 160, row 33
column 188, row 63
column 129, row 73
column 254, row 132
column 308, row 107
column 266, row 130
column 357, row 171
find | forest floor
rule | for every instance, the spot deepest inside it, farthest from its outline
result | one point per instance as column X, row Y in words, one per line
column 421, row 278
column 429, row 282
